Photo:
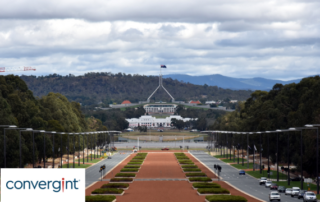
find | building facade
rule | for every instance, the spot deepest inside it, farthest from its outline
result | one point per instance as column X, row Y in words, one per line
column 160, row 108
column 153, row 122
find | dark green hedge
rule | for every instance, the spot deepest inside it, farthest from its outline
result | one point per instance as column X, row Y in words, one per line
column 124, row 179
column 136, row 160
column 213, row 191
column 115, row 185
column 227, row 198
column 138, row 163
column 203, row 179
column 142, row 154
column 195, row 175
column 182, row 157
column 129, row 170
column 132, row 166
column 189, row 166
column 100, row 198
column 179, row 154
column 206, row 185
column 191, row 169
column 125, row 175
column 107, row 191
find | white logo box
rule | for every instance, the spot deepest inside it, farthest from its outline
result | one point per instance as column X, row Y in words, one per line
column 38, row 185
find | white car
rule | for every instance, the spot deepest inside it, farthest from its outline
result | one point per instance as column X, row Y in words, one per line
column 262, row 180
column 268, row 184
column 309, row 196
column 295, row 191
column 274, row 195
column 288, row 191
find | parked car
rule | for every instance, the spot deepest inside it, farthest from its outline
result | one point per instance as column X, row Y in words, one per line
column 242, row 172
column 274, row 186
column 295, row 179
column 274, row 195
column 288, row 191
column 301, row 194
column 267, row 184
column 262, row 180
column 165, row 149
column 309, row 196
column 295, row 191
column 281, row 189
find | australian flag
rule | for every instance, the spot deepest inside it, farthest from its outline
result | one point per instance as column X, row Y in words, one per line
column 163, row 66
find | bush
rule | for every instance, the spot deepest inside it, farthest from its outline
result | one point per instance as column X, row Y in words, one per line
column 191, row 170
column 189, row 166
column 206, row 185
column 182, row 157
column 124, row 179
column 138, row 163
column 179, row 154
column 136, row 160
column 129, row 170
column 125, row 175
column 107, row 191
column 227, row 198
column 202, row 179
column 100, row 198
column 185, row 162
column 213, row 191
column 115, row 185
column 142, row 154
column 195, row 175
column 132, row 166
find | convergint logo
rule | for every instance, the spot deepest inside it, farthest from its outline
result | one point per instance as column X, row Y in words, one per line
column 56, row 185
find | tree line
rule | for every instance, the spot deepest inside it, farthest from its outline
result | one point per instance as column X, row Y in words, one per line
column 285, row 106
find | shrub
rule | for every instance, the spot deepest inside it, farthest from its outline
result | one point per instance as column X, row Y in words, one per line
column 142, row 154
column 125, row 175
column 129, row 170
column 222, row 198
column 107, row 191
column 138, row 163
column 132, row 166
column 196, row 175
column 115, row 185
column 136, row 160
column 213, row 191
column 202, row 179
column 185, row 162
column 206, row 185
column 180, row 154
column 124, row 179
column 100, row 198
column 189, row 166
column 182, row 157
column 191, row 170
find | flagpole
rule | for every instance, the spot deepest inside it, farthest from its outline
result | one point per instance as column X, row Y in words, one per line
column 254, row 152
column 248, row 150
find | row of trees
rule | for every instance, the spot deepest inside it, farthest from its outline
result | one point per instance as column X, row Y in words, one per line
column 292, row 105
column 52, row 112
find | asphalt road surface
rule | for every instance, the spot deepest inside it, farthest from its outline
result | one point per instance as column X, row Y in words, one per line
column 245, row 183
column 93, row 174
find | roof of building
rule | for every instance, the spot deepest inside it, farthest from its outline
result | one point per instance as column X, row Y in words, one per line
column 195, row 102
column 126, row 102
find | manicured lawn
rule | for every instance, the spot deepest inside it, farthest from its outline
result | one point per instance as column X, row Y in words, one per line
column 296, row 184
column 264, row 173
column 76, row 165
column 222, row 156
column 93, row 160
column 242, row 167
column 231, row 161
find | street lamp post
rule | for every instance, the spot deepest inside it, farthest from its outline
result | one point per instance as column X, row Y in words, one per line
column 44, row 146
column 260, row 152
column 4, row 142
column 268, row 153
column 248, row 150
column 68, row 148
column 26, row 130
column 243, row 133
column 60, row 149
column 53, row 149
column 288, row 151
column 34, row 131
column 78, row 149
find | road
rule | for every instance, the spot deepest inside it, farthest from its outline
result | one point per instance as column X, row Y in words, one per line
column 245, row 183
column 93, row 174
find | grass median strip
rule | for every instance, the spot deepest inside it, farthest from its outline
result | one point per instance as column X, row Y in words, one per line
column 227, row 198
column 239, row 166
column 264, row 173
column 76, row 165
column 313, row 187
column 231, row 161
column 100, row 198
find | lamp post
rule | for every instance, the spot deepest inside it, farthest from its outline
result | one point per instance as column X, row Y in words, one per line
column 243, row 133
column 248, row 150
column 78, row 149
column 34, row 131
column 268, row 152
column 4, row 141
column 53, row 149
column 288, row 151
column 68, row 148
column 317, row 171
column 44, row 146
column 83, row 134
column 260, row 152
column 60, row 149
column 25, row 130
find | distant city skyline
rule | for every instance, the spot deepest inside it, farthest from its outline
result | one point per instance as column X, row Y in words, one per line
column 240, row 39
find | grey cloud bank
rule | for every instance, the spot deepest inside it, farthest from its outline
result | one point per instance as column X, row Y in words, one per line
column 271, row 39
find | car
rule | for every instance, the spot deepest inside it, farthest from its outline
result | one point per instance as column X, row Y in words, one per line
column 301, row 194
column 274, row 195
column 295, row 191
column 262, row 180
column 267, row 184
column 242, row 172
column 288, row 191
column 163, row 149
column 309, row 196
column 274, row 186
column 295, row 179
column 281, row 189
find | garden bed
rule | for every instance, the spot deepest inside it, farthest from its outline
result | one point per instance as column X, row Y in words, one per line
column 129, row 170
column 100, row 198
column 196, row 175
column 213, row 191
column 123, row 186
column 132, row 166
column 134, row 163
column 188, row 166
column 199, row 179
column 123, row 179
column 225, row 198
column 126, row 175
column 108, row 191
column 192, row 170
column 205, row 185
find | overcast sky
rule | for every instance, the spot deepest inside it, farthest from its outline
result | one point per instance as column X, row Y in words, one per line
column 276, row 39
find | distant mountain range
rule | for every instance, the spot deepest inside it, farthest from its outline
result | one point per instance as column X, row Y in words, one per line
column 225, row 82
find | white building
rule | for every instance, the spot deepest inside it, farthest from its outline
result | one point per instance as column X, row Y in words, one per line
column 233, row 101
column 153, row 122
column 210, row 102
column 160, row 108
